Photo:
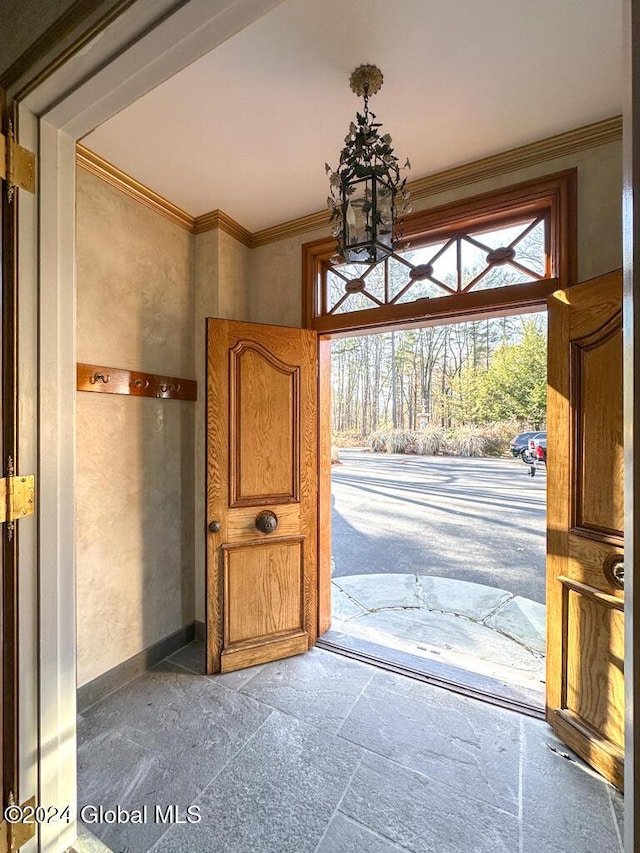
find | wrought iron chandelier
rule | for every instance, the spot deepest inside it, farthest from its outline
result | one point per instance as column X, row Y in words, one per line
column 367, row 189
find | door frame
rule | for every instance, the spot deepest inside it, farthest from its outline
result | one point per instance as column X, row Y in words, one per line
column 631, row 412
column 51, row 119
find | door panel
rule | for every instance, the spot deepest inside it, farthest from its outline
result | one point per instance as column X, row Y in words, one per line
column 265, row 439
column 262, row 452
column 585, row 600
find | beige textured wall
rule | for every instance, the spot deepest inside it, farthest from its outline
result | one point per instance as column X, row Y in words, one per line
column 221, row 281
column 135, row 456
column 275, row 294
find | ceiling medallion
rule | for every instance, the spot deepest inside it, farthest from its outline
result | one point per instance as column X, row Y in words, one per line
column 367, row 189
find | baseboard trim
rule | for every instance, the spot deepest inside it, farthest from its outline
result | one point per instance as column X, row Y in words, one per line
column 93, row 691
column 200, row 632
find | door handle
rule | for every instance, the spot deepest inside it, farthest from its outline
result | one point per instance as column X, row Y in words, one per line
column 266, row 521
column 614, row 571
column 617, row 570
column 214, row 526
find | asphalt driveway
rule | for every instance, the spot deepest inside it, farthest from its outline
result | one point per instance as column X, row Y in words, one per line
column 481, row 520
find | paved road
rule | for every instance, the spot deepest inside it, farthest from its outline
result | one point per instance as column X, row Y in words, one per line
column 481, row 520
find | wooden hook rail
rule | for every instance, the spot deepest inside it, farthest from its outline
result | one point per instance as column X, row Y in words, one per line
column 113, row 380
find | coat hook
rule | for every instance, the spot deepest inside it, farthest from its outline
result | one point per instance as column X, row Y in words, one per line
column 141, row 383
column 99, row 377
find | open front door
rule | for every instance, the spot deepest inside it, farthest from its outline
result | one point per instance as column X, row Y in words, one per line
column 262, row 486
column 585, row 580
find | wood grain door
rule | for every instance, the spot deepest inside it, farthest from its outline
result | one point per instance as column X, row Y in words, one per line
column 585, row 594
column 262, row 485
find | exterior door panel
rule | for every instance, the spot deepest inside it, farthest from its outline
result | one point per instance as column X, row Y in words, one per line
column 262, row 453
column 585, row 586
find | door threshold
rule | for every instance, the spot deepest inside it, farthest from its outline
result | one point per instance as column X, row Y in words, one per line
column 523, row 700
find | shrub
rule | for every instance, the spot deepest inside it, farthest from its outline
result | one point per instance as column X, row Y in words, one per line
column 401, row 441
column 497, row 437
column 377, row 442
column 487, row 440
column 465, row 440
column 429, row 441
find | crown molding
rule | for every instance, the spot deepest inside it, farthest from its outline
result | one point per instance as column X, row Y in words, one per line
column 219, row 219
column 95, row 164
column 302, row 225
column 571, row 142
column 561, row 145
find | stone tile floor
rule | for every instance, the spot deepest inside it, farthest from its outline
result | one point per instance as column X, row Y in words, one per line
column 323, row 754
column 467, row 625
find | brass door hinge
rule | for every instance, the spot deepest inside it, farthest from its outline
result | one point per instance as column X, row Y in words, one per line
column 17, row 495
column 17, row 165
column 20, row 828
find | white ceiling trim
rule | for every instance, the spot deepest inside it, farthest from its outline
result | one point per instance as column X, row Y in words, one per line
column 195, row 29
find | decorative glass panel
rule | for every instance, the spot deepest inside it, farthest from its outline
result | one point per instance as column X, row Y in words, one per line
column 502, row 277
column 445, row 267
column 374, row 283
column 530, row 250
column 527, row 241
column 473, row 262
column 504, row 256
column 356, row 302
column 399, row 275
column 501, row 236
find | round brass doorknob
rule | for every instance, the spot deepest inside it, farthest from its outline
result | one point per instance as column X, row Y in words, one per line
column 267, row 521
column 614, row 570
column 617, row 570
column 214, row 526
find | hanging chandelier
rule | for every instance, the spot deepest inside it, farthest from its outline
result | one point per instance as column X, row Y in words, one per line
column 367, row 189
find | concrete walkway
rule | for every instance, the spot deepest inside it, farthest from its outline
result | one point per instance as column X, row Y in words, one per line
column 468, row 625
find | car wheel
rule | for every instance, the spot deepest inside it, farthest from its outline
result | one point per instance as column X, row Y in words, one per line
column 526, row 457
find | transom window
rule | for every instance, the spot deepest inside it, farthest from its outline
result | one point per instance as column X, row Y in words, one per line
column 480, row 260
column 451, row 260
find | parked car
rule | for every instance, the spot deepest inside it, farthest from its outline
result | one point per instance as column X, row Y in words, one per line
column 538, row 448
column 519, row 446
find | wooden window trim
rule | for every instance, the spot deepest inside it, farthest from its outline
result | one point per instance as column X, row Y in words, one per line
column 553, row 195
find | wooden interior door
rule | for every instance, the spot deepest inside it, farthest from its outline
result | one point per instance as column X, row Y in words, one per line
column 262, row 485
column 585, row 578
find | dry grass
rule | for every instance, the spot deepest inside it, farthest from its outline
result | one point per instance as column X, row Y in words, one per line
column 468, row 440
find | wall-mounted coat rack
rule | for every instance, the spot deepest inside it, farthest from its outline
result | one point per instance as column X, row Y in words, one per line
column 113, row 380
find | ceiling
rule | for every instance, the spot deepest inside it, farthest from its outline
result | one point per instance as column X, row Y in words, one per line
column 248, row 127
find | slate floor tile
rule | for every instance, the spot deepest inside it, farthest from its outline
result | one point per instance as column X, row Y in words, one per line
column 347, row 836
column 565, row 805
column 191, row 657
column 423, row 815
column 469, row 745
column 617, row 800
column 238, row 678
column 319, row 688
column 170, row 707
column 413, row 767
column 145, row 757
column 276, row 796
column 121, row 773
